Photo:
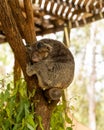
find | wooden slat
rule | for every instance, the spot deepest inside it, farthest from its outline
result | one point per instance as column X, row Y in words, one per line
column 51, row 8
column 57, row 9
column 63, row 9
column 45, row 5
column 40, row 2
column 69, row 10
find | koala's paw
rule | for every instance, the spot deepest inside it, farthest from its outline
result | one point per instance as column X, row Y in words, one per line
column 29, row 70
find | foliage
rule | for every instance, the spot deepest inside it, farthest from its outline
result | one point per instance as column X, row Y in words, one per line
column 6, row 59
column 80, row 38
column 100, row 110
column 59, row 118
column 7, row 53
column 17, row 113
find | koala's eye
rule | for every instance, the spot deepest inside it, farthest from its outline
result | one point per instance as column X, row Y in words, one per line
column 39, row 45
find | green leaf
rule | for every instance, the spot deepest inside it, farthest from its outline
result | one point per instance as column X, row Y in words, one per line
column 40, row 122
column 23, row 89
column 67, row 119
column 17, row 127
column 69, row 128
column 20, row 112
column 8, row 86
column 30, row 121
column 31, row 127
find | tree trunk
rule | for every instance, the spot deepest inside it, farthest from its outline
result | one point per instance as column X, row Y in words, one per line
column 91, row 47
column 17, row 71
column 15, row 30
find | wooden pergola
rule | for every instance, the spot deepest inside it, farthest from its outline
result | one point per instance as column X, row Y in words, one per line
column 51, row 16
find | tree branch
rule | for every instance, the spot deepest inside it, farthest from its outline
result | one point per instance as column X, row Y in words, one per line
column 25, row 25
column 30, row 21
column 17, row 14
column 12, row 33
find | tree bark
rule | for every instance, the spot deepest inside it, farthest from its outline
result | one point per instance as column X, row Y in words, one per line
column 24, row 23
column 17, row 71
column 13, row 30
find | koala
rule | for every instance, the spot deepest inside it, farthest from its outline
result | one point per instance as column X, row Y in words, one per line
column 52, row 63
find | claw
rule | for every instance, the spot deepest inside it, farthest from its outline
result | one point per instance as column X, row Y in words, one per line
column 28, row 70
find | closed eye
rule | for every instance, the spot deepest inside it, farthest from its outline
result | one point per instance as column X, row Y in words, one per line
column 39, row 45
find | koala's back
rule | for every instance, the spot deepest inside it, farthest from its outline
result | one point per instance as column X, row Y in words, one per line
column 62, row 75
column 59, row 75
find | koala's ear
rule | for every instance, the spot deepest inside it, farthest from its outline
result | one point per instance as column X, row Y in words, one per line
column 28, row 48
column 49, row 47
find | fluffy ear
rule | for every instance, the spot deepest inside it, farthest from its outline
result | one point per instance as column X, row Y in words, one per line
column 49, row 47
column 28, row 48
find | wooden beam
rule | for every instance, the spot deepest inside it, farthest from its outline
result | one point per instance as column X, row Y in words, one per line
column 59, row 27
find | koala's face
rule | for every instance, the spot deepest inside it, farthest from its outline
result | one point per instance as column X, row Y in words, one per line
column 40, row 51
